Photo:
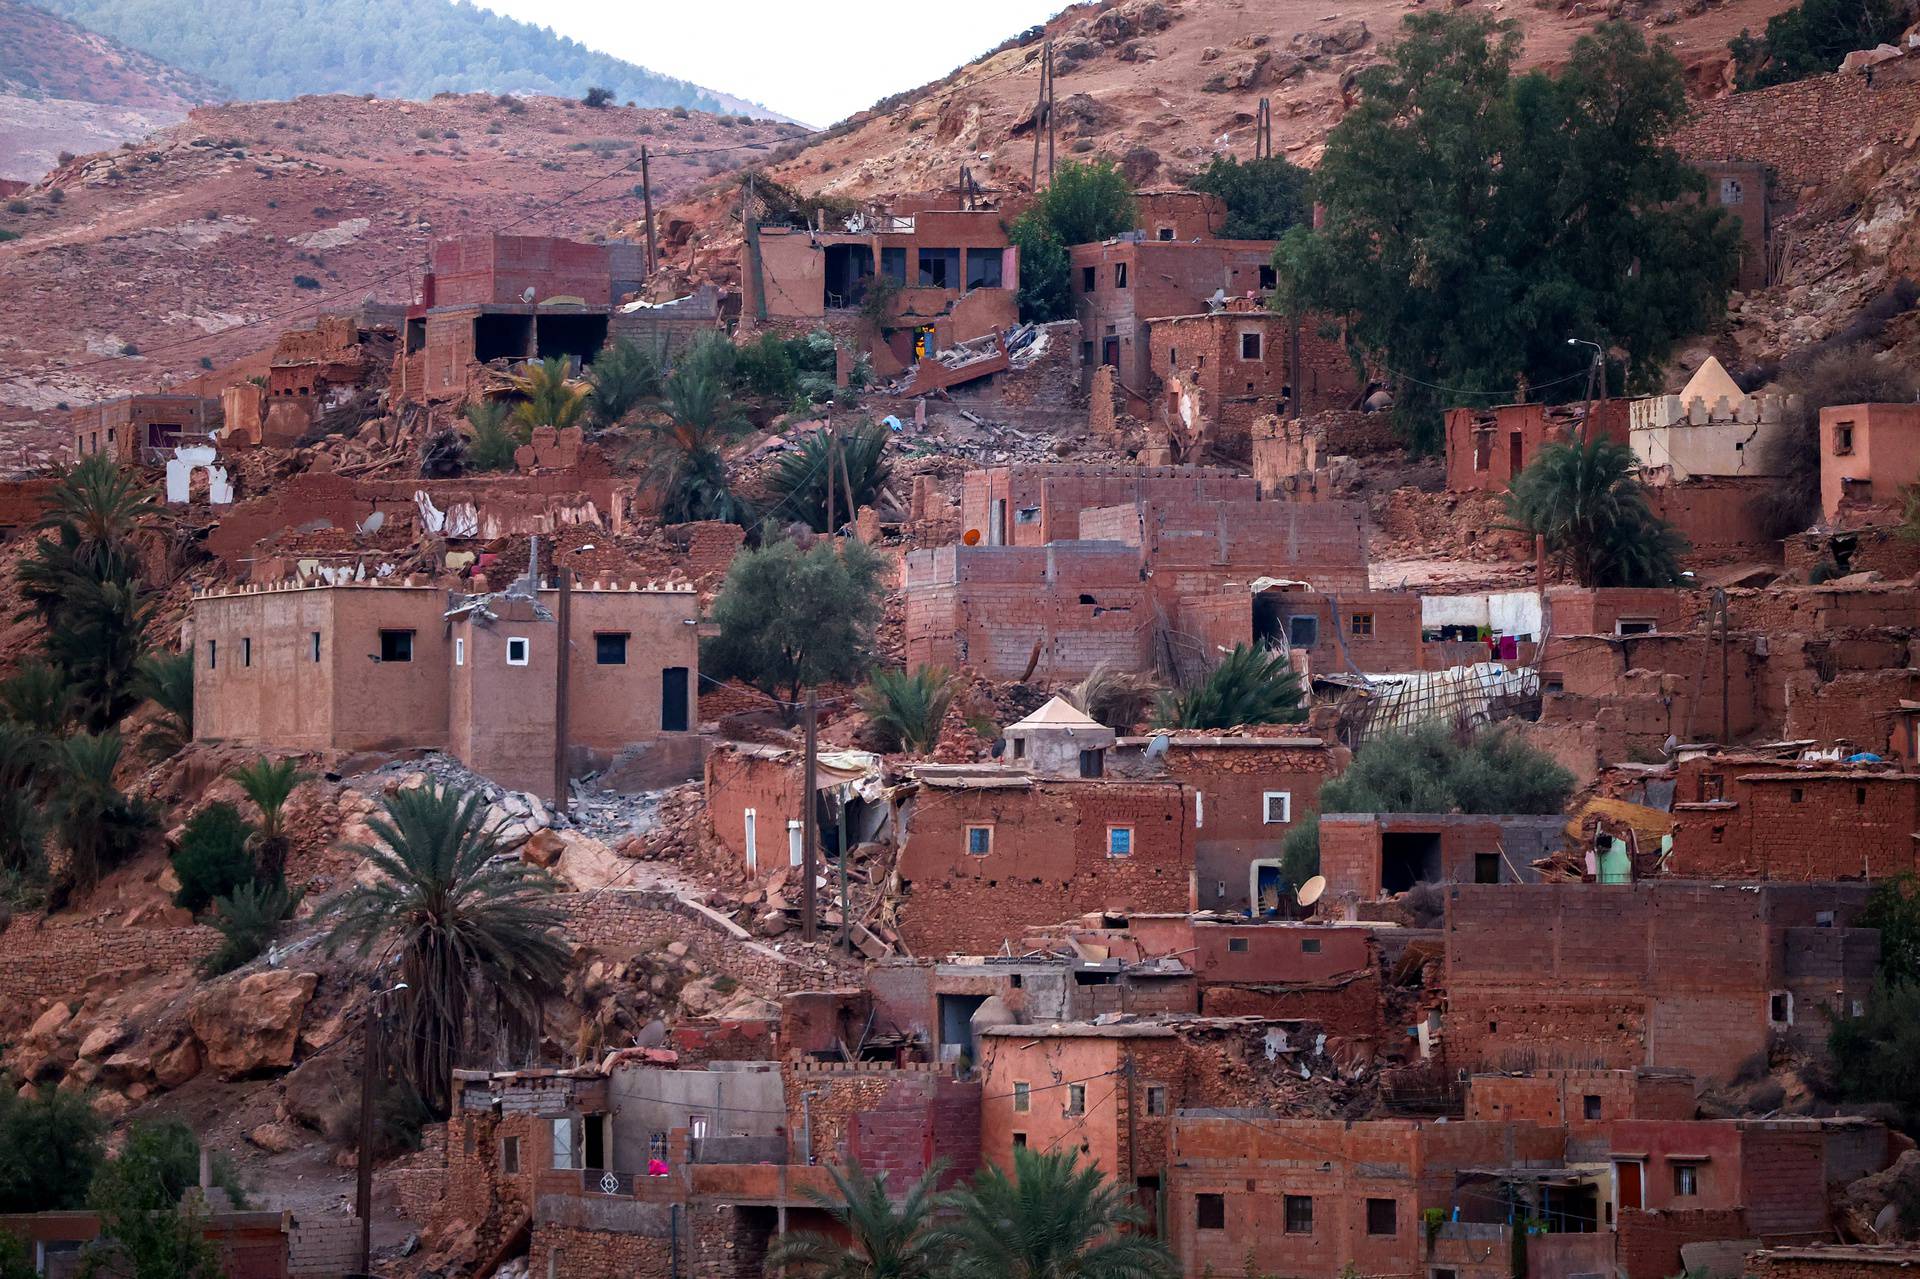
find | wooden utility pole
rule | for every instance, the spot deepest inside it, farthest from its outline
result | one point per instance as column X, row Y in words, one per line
column 1043, row 115
column 809, row 855
column 562, row 682
column 372, row 1067
column 646, row 198
column 830, row 475
column 846, row 485
column 1049, row 113
column 846, row 910
column 1263, row 129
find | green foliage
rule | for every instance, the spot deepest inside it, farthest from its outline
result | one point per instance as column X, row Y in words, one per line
column 1115, row 697
column 1893, row 907
column 23, row 756
column 36, row 697
column 98, row 825
column 618, row 380
column 15, row 1261
column 1052, row 1217
column 800, row 482
column 907, row 708
column 1586, row 499
column 248, row 919
column 789, row 618
column 876, row 1238
column 493, row 442
column 1251, row 685
column 269, row 783
column 1085, row 203
column 1812, row 37
column 1265, row 198
column 145, row 1232
column 684, row 451
column 280, row 49
column 598, row 98
column 400, row 1119
column 548, row 394
column 1876, row 1056
column 1477, row 218
column 1848, row 375
column 50, row 1146
column 467, row 931
column 212, row 860
column 166, row 680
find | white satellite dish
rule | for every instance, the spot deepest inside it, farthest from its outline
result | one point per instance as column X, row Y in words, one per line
column 526, row 294
column 1311, row 891
column 373, row 522
column 1157, row 747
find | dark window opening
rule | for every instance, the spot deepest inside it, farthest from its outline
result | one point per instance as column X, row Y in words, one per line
column 1779, row 1008
column 1634, row 626
column 1210, row 1212
column 1268, row 278
column 1796, row 796
column 213, row 655
column 1268, row 628
column 596, row 1143
column 1019, row 1141
column 1237, row 945
column 1163, row 234
column 416, row 335
column 396, row 646
column 1590, row 1106
column 1486, row 868
column 1843, row 439
column 1249, row 346
column 983, row 268
column 1309, row 945
column 502, row 337
column 315, row 639
column 674, row 699
column 893, row 264
column 1156, row 1099
column 510, row 1154
column 1299, row 1214
column 1360, row 625
column 1088, row 599
column 610, row 650
column 940, row 268
column 1092, row 763
column 1087, row 277
column 1383, row 1216
column 848, row 268
column 1119, row 275
column 575, row 337
column 1408, row 858
column 246, row 650
column 1303, row 630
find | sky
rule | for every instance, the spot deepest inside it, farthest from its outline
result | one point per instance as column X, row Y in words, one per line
column 816, row 65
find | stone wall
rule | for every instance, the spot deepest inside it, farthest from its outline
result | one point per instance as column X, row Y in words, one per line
column 1807, row 131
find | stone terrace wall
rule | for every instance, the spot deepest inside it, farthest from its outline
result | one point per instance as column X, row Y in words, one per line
column 50, row 963
column 1807, row 131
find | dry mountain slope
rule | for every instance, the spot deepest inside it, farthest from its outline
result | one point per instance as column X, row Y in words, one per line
column 64, row 88
column 208, row 238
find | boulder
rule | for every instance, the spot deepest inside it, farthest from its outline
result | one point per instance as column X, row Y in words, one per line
column 543, row 848
column 102, row 1040
column 324, row 1094
column 178, row 1064
column 1241, row 73
column 48, row 1024
column 252, row 1024
column 275, row 1138
column 699, row 998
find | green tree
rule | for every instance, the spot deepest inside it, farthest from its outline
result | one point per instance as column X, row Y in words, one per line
column 800, row 480
column 1586, row 500
column 1876, row 1056
column 1893, row 907
column 684, row 450
column 99, row 826
column 1251, row 685
column 36, row 697
column 1812, row 37
column 618, row 381
column 23, row 757
column 15, row 1261
column 212, row 859
column 464, row 931
column 789, row 618
column 494, row 438
column 875, row 1239
column 166, row 680
column 1084, row 204
column 548, row 394
column 1052, row 1219
column 269, row 783
column 145, row 1230
column 248, row 919
column 50, row 1146
column 907, row 708
column 1265, row 198
column 1478, row 218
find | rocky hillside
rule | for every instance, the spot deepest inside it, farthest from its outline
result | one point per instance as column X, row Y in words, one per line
column 65, row 88
column 198, row 245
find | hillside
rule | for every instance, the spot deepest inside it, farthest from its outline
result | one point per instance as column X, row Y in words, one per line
column 135, row 266
column 64, row 88
column 391, row 48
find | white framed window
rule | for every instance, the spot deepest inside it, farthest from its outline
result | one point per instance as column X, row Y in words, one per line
column 1276, row 807
column 517, row 651
column 752, row 820
column 979, row 840
column 1119, row 841
column 1022, row 1097
column 793, row 843
column 1199, row 810
column 1076, row 1099
column 459, row 652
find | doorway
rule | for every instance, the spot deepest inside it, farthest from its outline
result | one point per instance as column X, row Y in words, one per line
column 1267, row 891
column 848, row 268
column 1408, row 858
column 956, row 1025
column 673, row 699
column 1515, row 455
column 1110, row 351
column 1626, row 1176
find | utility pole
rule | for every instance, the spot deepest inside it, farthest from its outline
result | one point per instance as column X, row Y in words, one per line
column 846, row 485
column 846, row 911
column 646, row 197
column 1043, row 115
column 373, row 1069
column 831, row 439
column 809, row 857
column 1726, row 699
column 562, row 681
column 1049, row 113
column 1133, row 1110
column 1263, row 130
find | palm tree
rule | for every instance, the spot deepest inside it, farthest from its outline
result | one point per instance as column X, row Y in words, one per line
column 684, row 463
column 492, row 445
column 1052, row 1219
column 248, row 919
column 36, row 696
column 621, row 377
column 166, row 680
column 1249, row 686
column 461, row 928
column 801, row 478
column 23, row 756
column 269, row 783
column 883, row 1240
column 1117, row 698
column 551, row 397
column 1584, row 499
column 907, row 709
column 97, row 824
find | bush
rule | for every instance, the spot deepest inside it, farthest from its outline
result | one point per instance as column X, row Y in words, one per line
column 1251, row 685
column 305, row 282
column 1812, row 37
column 800, row 481
column 49, row 1148
column 1264, row 198
column 1876, row 1056
column 248, row 921
column 493, row 443
column 212, row 860
column 906, row 709
column 1586, row 499
column 598, row 98
column 18, row 206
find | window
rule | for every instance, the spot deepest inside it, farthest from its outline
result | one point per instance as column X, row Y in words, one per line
column 396, row 646
column 1026, row 515
column 1119, row 275
column 1022, row 1097
column 213, row 655
column 1634, row 626
column 657, row 1146
column 517, row 651
column 246, row 650
column 1119, row 841
column 893, row 264
column 610, row 650
column 1780, row 1008
column 1269, row 278
column 1019, row 1141
column 1092, row 763
column 751, row 821
column 509, row 1154
column 1686, row 1180
column 1019, row 748
column 1309, row 945
column 1486, row 868
column 979, row 840
column 1303, row 630
column 1276, row 808
column 940, row 268
column 1360, row 625
column 1842, row 439
column 314, row 639
column 1383, row 1216
column 1236, row 945
column 1730, row 192
column 1076, row 1099
column 566, row 1142
column 1156, row 1099
column 1250, row 346
column 1796, row 796
column 1163, row 234
column 1087, row 277
column 1590, row 1106
column 983, row 269
column 1299, row 1214
column 1210, row 1212
column 459, row 652
column 1859, row 794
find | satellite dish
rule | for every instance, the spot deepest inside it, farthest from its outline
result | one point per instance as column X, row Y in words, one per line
column 526, row 295
column 1310, row 892
column 373, row 522
column 1157, row 747
column 972, row 537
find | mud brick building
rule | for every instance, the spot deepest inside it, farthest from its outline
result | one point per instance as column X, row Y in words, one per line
column 1122, row 285
column 1178, row 214
column 988, row 852
column 1033, row 504
column 1751, row 818
column 1310, row 1197
column 252, row 1245
column 1366, row 855
column 1486, row 448
column 754, row 799
column 1347, row 630
column 1216, row 373
column 1585, row 1102
column 1291, row 454
column 1693, row 976
column 1869, row 456
column 340, row 360
column 391, row 667
column 143, row 429
column 1193, row 543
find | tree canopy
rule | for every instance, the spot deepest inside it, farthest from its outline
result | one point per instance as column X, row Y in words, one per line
column 1084, row 203
column 1812, row 38
column 1477, row 218
column 1585, row 499
column 790, row 618
column 1265, row 198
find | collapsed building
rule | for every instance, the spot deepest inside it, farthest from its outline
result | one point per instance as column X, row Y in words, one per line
column 144, row 430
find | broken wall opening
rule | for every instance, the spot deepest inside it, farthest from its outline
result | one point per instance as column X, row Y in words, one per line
column 501, row 337
column 1408, row 858
column 576, row 337
column 848, row 267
